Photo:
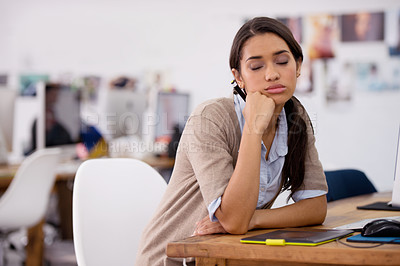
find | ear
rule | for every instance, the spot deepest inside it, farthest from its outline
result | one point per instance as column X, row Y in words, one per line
column 238, row 78
column 298, row 68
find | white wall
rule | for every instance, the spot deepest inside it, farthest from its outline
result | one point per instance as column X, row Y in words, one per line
column 190, row 41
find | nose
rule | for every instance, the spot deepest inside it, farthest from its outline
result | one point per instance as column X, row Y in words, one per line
column 271, row 74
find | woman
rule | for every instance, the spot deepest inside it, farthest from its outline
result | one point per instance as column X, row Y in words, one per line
column 236, row 156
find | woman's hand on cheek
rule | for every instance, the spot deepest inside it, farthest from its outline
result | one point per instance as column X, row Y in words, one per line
column 258, row 111
column 207, row 227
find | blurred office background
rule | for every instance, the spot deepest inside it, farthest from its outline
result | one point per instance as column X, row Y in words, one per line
column 350, row 83
column 352, row 94
column 351, row 90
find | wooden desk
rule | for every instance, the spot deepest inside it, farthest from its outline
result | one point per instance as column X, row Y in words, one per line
column 227, row 250
column 7, row 172
column 63, row 188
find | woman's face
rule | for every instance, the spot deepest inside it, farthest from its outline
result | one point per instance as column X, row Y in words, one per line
column 268, row 66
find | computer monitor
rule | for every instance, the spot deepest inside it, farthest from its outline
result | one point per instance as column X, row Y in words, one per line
column 396, row 184
column 7, row 103
column 394, row 204
column 172, row 111
column 59, row 122
column 28, row 83
column 124, row 110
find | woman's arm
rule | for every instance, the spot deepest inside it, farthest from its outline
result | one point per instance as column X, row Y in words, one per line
column 240, row 197
column 302, row 213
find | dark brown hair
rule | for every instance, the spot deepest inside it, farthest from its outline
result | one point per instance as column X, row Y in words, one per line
column 294, row 166
column 260, row 25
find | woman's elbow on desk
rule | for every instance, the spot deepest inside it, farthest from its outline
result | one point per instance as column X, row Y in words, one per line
column 208, row 227
column 236, row 229
column 302, row 213
column 234, row 224
column 311, row 211
column 314, row 209
column 321, row 208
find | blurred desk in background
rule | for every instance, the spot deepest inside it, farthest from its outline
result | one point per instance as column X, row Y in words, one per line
column 160, row 162
column 7, row 172
column 63, row 188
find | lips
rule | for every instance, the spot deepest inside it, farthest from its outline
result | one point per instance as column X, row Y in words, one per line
column 276, row 89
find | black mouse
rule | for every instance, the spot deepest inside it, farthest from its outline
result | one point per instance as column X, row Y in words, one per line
column 381, row 228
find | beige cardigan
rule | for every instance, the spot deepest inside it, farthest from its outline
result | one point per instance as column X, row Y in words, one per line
column 206, row 158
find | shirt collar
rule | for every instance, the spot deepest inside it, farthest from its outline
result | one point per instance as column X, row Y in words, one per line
column 239, row 106
column 279, row 145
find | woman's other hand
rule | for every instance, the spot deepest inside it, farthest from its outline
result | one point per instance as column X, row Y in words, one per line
column 206, row 227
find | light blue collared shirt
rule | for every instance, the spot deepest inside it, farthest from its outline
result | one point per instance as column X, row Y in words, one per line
column 271, row 169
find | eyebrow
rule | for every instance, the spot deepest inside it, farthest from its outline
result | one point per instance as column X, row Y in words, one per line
column 259, row 57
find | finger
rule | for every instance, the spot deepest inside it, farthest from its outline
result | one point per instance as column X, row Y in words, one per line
column 215, row 229
column 200, row 226
column 203, row 227
column 211, row 228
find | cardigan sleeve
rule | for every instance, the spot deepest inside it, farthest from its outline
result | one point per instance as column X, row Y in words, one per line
column 208, row 141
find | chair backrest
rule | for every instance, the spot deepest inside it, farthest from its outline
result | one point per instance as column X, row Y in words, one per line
column 113, row 200
column 347, row 183
column 25, row 201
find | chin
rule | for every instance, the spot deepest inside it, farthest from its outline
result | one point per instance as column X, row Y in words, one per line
column 280, row 99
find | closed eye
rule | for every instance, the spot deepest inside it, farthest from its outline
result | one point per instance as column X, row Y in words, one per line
column 282, row 63
column 256, row 68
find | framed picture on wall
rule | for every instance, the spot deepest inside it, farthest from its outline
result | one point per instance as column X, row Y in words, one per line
column 321, row 33
column 392, row 33
column 362, row 27
column 370, row 76
column 340, row 81
column 3, row 80
column 295, row 24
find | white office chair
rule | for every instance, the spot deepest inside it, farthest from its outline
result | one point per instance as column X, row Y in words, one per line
column 113, row 200
column 25, row 201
